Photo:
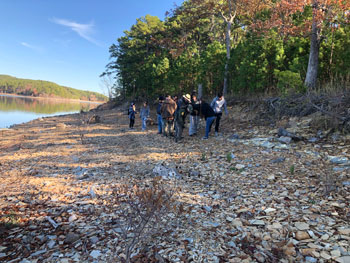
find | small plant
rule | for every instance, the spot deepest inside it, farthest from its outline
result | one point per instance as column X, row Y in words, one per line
column 229, row 157
column 204, row 157
column 143, row 213
column 292, row 169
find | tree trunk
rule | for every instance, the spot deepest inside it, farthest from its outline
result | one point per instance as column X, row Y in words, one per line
column 228, row 54
column 312, row 67
column 200, row 91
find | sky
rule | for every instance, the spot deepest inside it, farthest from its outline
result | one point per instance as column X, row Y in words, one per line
column 67, row 41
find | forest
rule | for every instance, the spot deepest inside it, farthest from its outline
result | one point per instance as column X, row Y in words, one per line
column 238, row 46
column 40, row 88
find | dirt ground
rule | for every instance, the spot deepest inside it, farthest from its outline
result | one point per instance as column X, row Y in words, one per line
column 241, row 201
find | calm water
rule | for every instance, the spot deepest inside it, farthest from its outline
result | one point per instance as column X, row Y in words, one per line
column 16, row 110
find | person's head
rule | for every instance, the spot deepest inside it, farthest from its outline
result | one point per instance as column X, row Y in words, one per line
column 161, row 98
column 187, row 98
column 175, row 97
column 145, row 103
column 220, row 95
column 194, row 96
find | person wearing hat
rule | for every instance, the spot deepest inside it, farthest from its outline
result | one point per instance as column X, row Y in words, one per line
column 183, row 108
column 159, row 114
column 131, row 114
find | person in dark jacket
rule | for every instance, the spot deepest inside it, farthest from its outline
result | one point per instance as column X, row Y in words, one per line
column 131, row 114
column 208, row 113
column 159, row 114
column 183, row 108
column 194, row 116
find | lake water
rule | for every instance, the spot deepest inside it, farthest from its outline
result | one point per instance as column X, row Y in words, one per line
column 16, row 110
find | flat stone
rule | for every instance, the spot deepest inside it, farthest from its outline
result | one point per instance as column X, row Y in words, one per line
column 95, row 254
column 345, row 259
column 335, row 253
column 325, row 255
column 344, row 231
column 71, row 238
column 301, row 235
column 301, row 226
column 257, row 222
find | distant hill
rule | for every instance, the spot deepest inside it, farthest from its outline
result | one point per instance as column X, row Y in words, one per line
column 41, row 88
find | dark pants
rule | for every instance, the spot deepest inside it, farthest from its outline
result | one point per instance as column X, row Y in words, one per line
column 217, row 123
column 131, row 124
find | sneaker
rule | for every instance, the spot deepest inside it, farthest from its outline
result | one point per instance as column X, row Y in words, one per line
column 216, row 134
column 205, row 138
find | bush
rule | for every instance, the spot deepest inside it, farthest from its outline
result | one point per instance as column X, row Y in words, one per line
column 289, row 82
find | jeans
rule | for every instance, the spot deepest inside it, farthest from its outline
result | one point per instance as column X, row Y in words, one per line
column 217, row 123
column 209, row 123
column 194, row 120
column 160, row 123
column 144, row 119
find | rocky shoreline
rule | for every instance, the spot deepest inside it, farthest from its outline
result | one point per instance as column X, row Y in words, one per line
column 248, row 195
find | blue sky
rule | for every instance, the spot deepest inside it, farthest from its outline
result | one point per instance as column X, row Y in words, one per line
column 67, row 41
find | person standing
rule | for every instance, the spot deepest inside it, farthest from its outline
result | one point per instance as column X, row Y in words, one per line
column 132, row 113
column 208, row 113
column 218, row 104
column 159, row 114
column 144, row 115
column 194, row 116
column 183, row 108
column 167, row 110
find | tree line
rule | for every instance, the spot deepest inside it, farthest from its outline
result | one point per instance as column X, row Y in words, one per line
column 40, row 88
column 238, row 46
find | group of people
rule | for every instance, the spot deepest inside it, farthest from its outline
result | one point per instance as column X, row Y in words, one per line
column 172, row 113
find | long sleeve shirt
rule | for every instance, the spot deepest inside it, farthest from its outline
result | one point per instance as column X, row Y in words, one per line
column 217, row 105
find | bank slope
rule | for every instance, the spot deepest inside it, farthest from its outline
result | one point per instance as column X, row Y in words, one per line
column 41, row 88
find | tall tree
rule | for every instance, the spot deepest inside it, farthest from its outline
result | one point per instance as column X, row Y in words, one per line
column 310, row 18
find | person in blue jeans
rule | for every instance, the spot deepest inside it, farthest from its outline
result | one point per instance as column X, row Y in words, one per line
column 144, row 115
column 159, row 114
column 208, row 113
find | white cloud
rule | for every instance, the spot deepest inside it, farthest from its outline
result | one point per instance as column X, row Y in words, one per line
column 83, row 30
column 35, row 48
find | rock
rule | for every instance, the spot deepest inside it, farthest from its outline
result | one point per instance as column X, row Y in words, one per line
column 166, row 173
column 95, row 254
column 37, row 253
column 71, row 238
column 335, row 253
column 285, row 139
column 239, row 166
column 301, row 235
column 94, row 239
column 269, row 210
column 310, row 259
column 307, row 251
column 257, row 222
column 344, row 231
column 301, row 226
column 72, row 218
column 278, row 160
column 345, row 259
column 51, row 244
column 338, row 160
column 325, row 255
column 325, row 237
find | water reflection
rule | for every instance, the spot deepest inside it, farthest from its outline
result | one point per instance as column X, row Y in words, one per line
column 15, row 110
